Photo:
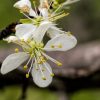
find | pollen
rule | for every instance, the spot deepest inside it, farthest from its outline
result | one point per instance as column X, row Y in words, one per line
column 41, row 44
column 42, row 59
column 69, row 33
column 44, row 78
column 59, row 46
column 40, row 62
column 32, row 44
column 16, row 50
column 52, row 46
column 27, row 75
column 25, row 67
column 59, row 64
column 52, row 75
column 32, row 55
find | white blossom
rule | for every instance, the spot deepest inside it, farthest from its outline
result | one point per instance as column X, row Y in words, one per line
column 30, row 35
column 35, row 51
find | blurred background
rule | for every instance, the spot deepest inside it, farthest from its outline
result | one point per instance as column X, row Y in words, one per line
column 79, row 79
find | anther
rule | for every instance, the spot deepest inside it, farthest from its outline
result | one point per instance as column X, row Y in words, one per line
column 25, row 67
column 59, row 64
column 40, row 62
column 52, row 46
column 41, row 44
column 52, row 75
column 44, row 78
column 32, row 55
column 16, row 50
column 59, row 46
column 69, row 33
column 27, row 75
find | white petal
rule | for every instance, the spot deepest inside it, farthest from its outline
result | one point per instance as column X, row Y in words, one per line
column 37, row 77
column 54, row 31
column 41, row 30
column 44, row 12
column 13, row 61
column 32, row 13
column 24, row 31
column 61, row 42
column 22, row 3
column 11, row 39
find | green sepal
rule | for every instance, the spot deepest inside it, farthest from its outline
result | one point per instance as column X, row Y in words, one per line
column 25, row 21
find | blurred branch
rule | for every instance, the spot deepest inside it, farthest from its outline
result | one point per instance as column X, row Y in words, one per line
column 80, row 61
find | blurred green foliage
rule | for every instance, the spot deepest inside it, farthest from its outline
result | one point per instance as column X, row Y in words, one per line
column 8, row 13
column 14, row 93
column 93, row 94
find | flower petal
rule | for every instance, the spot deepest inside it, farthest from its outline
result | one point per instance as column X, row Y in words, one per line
column 11, row 39
column 44, row 12
column 27, row 4
column 41, row 30
column 61, row 42
column 32, row 13
column 24, row 31
column 37, row 77
column 13, row 61
column 54, row 31
column 21, row 3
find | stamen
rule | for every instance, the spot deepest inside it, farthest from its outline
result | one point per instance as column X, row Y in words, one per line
column 58, row 63
column 53, row 60
column 25, row 67
column 58, row 17
column 51, row 74
column 52, row 46
column 28, row 61
column 27, row 75
column 43, row 77
column 16, row 50
column 69, row 33
column 36, row 65
column 42, row 59
column 60, row 46
column 31, row 66
column 40, row 62
column 26, row 16
column 57, row 9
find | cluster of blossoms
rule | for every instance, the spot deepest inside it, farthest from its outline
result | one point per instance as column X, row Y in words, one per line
column 30, row 35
